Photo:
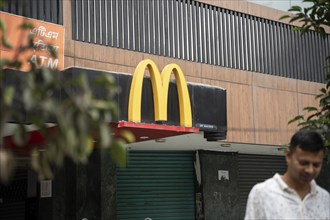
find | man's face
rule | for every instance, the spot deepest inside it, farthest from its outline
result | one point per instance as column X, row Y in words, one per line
column 304, row 166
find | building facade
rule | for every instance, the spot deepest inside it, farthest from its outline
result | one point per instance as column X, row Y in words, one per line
column 269, row 74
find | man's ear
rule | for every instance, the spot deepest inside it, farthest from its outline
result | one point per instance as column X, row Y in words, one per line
column 288, row 153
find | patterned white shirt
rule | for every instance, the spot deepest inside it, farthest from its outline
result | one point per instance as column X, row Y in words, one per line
column 273, row 199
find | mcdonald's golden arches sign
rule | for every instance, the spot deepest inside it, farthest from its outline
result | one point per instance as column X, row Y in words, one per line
column 160, row 85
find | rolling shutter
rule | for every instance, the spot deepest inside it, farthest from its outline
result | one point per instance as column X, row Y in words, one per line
column 158, row 185
column 253, row 169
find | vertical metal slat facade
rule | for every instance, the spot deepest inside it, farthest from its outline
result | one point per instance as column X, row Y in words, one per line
column 191, row 30
column 44, row 10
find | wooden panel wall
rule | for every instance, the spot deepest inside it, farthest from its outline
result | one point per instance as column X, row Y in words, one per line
column 258, row 105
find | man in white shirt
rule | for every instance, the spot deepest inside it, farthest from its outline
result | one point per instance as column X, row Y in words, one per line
column 295, row 195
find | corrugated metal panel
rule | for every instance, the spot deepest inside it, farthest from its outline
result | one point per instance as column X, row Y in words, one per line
column 191, row 30
column 158, row 185
column 45, row 10
column 253, row 169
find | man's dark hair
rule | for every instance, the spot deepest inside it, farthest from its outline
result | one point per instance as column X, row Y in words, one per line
column 307, row 140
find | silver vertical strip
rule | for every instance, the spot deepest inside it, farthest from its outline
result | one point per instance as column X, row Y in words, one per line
column 254, row 45
column 186, row 27
column 248, row 48
column 322, row 57
column 200, row 43
column 77, row 20
column 177, row 19
column 122, row 26
column 244, row 42
column 183, row 33
column 162, row 30
column 212, row 37
column 309, row 49
column 148, row 28
column 301, row 58
column 139, row 23
column 117, row 25
column 89, row 20
column 112, row 36
column 225, row 34
column 261, row 45
column 134, row 34
column 209, row 35
column 144, row 29
column 271, row 50
column 195, row 20
column 217, row 40
column 239, row 46
column 258, row 45
column 235, row 40
column 230, row 39
column 277, row 51
column 83, row 20
column 265, row 47
column 222, row 36
column 311, row 61
column 159, row 26
column 204, row 36
column 168, row 39
column 106, row 22
column 296, row 53
column 94, row 21
column 291, row 51
column 153, row 28
column 129, row 28
column 316, row 57
column 239, row 37
column 280, row 49
column 173, row 30
column 190, row 32
column 285, row 45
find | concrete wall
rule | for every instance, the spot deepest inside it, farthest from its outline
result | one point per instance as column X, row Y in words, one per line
column 220, row 197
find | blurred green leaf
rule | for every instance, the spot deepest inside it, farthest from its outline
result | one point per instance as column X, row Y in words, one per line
column 77, row 118
column 118, row 153
column 105, row 135
column 127, row 136
column 20, row 135
column 297, row 118
column 8, row 95
column 26, row 26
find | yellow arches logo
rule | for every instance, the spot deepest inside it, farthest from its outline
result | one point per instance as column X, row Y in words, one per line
column 160, row 85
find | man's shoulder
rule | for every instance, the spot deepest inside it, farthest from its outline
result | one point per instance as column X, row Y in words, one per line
column 266, row 185
column 323, row 192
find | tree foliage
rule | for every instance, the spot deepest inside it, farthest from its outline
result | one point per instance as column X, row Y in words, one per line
column 315, row 18
column 72, row 127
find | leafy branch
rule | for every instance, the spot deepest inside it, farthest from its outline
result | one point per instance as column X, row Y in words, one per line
column 72, row 125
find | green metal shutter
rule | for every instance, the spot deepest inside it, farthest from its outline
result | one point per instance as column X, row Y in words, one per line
column 253, row 169
column 158, row 185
